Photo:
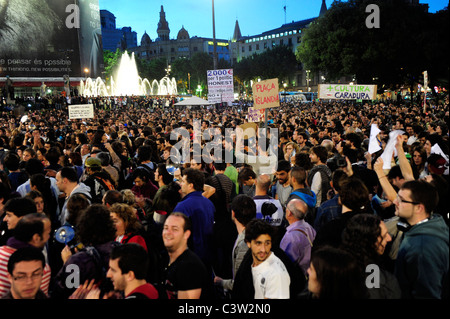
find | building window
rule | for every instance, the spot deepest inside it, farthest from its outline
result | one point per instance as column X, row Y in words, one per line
column 243, row 49
column 172, row 49
column 257, row 46
column 249, row 48
column 195, row 49
column 281, row 42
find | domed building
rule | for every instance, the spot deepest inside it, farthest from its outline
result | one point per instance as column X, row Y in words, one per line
column 183, row 34
column 184, row 46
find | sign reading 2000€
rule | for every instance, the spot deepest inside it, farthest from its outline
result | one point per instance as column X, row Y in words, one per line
column 347, row 92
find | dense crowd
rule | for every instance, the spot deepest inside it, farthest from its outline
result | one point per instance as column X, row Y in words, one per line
column 327, row 210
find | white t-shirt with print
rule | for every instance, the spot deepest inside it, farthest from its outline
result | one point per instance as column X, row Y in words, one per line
column 271, row 279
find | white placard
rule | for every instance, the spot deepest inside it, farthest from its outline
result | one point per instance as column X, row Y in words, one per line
column 220, row 82
column 81, row 111
column 347, row 91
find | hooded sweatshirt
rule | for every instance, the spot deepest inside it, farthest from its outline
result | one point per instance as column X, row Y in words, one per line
column 310, row 198
column 423, row 259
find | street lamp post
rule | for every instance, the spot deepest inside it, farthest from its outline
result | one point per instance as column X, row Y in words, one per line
column 86, row 71
column 308, row 79
column 189, row 82
column 168, row 70
column 214, row 38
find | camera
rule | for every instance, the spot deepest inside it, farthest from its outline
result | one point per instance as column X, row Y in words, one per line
column 337, row 161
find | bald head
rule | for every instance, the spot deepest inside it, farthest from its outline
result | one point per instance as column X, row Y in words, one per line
column 328, row 144
column 263, row 182
column 298, row 208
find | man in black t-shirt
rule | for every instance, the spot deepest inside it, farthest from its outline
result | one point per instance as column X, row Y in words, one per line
column 185, row 275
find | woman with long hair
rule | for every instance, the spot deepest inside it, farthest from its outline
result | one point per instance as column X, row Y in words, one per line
column 334, row 274
column 366, row 237
column 419, row 161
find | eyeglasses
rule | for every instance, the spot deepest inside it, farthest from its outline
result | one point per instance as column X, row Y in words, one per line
column 24, row 278
column 401, row 200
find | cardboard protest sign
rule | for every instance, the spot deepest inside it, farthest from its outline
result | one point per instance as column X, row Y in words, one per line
column 256, row 115
column 249, row 130
column 265, row 94
column 81, row 111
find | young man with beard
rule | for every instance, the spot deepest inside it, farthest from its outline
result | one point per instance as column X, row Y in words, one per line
column 270, row 277
column 423, row 256
column 283, row 186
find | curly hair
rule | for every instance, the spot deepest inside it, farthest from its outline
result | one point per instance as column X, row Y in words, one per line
column 126, row 213
column 360, row 238
column 95, row 226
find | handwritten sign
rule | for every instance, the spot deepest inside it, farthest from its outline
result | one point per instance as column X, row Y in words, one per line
column 81, row 111
column 256, row 115
column 265, row 94
column 347, row 92
column 220, row 86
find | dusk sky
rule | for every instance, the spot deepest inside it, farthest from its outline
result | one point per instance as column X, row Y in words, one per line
column 254, row 16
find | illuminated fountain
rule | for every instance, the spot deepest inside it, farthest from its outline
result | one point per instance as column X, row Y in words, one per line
column 128, row 82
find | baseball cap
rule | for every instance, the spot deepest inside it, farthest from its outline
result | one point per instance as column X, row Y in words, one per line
column 93, row 162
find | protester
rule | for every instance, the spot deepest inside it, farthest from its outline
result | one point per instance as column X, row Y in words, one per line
column 24, row 264
column 33, row 230
column 269, row 275
column 186, row 275
column 132, row 127
column 366, row 238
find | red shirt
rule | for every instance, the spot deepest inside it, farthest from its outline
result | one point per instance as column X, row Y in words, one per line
column 131, row 238
column 147, row 290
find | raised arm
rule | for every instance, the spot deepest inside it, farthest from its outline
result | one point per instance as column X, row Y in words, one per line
column 404, row 164
column 391, row 194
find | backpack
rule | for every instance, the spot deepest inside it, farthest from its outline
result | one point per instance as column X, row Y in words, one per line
column 99, row 188
column 155, row 271
column 104, row 282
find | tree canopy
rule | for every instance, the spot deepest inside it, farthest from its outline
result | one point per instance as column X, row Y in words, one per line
column 408, row 42
column 277, row 62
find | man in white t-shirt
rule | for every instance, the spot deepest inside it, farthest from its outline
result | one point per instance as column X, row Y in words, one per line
column 270, row 277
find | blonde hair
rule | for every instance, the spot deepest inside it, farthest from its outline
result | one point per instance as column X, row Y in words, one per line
column 128, row 196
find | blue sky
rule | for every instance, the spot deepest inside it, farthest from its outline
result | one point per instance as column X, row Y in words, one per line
column 254, row 16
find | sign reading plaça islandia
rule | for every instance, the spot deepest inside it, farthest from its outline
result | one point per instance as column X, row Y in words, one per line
column 347, row 91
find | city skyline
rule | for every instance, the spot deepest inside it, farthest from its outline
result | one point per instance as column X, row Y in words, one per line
column 254, row 16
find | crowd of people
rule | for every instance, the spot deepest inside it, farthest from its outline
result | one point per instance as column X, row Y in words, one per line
column 331, row 219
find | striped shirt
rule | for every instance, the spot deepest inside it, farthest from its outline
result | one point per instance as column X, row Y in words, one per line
column 5, row 285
